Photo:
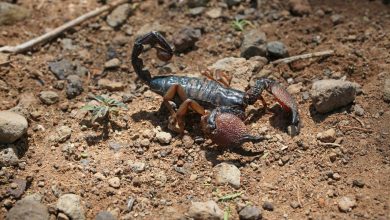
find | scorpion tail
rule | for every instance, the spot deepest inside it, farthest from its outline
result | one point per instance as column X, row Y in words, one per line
column 155, row 40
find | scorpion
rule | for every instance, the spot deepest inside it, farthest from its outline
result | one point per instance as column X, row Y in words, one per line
column 222, row 108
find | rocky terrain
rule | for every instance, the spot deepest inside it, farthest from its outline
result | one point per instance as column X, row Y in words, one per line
column 81, row 137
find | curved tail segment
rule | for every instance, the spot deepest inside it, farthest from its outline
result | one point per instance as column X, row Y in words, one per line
column 155, row 40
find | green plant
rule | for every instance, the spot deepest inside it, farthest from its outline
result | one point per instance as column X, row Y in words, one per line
column 229, row 197
column 106, row 107
column 239, row 24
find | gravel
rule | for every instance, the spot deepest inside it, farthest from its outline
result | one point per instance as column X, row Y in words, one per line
column 254, row 44
column 276, row 50
column 205, row 210
column 12, row 127
column 330, row 94
column 250, row 213
column 49, row 97
column 227, row 173
column 70, row 204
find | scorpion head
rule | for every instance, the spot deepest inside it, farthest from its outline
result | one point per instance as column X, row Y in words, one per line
column 226, row 130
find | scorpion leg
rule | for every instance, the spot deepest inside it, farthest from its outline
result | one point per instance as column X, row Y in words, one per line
column 220, row 77
column 177, row 118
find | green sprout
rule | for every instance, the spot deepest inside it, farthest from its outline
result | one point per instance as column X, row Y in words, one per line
column 239, row 24
column 229, row 197
column 226, row 213
column 106, row 107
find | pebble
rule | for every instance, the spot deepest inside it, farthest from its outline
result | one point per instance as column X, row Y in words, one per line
column 299, row 7
column 17, row 188
column 12, row 127
column 99, row 176
column 119, row 15
column 130, row 204
column 114, row 182
column 186, row 38
column 164, row 137
column 332, row 156
column 105, row 215
column 62, row 68
column 386, row 90
column 70, row 204
column 337, row 19
column 346, row 204
column 231, row 3
column 294, row 88
column 214, row 13
column 250, row 213
column 276, row 50
column 49, row 97
column 358, row 183
column 359, row 111
column 145, row 142
column 328, row 136
column 330, row 94
column 28, row 209
column 74, row 86
column 205, row 210
column 113, row 63
column 268, row 206
column 137, row 167
column 12, row 13
column 336, row 176
column 196, row 11
column 197, row 3
column 8, row 156
column 294, row 204
column 110, row 85
column 63, row 133
column 253, row 44
column 227, row 173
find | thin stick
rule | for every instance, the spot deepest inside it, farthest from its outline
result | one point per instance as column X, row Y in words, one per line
column 329, row 144
column 360, row 121
column 54, row 33
column 355, row 128
column 304, row 56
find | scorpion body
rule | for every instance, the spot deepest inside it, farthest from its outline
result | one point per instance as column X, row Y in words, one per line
column 199, row 93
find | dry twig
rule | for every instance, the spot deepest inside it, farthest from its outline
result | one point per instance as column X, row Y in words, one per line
column 54, row 33
column 355, row 128
column 304, row 56
column 329, row 144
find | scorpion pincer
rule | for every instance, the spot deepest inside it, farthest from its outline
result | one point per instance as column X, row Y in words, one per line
column 223, row 119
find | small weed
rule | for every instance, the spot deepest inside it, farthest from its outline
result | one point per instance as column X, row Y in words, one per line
column 107, row 106
column 229, row 197
column 239, row 24
column 226, row 213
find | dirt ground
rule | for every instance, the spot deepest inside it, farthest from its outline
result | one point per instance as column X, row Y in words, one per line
column 296, row 175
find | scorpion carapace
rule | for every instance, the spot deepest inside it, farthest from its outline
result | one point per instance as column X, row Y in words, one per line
column 200, row 93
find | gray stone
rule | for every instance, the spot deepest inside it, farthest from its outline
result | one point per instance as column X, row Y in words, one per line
column 74, row 86
column 328, row 136
column 250, row 213
column 186, row 38
column 8, row 156
column 337, row 19
column 254, row 44
column 197, row 3
column 110, row 85
column 358, row 183
column 137, row 167
column 28, row 210
column 299, row 7
column 70, row 204
column 62, row 134
column 231, row 3
column 268, row 206
column 227, row 173
column 386, row 89
column 214, row 13
column 164, row 137
column 119, row 15
column 359, row 111
column 346, row 204
column 18, row 190
column 205, row 210
column 113, row 63
column 48, row 97
column 196, row 11
column 11, row 13
column 330, row 94
column 276, row 50
column 114, row 182
column 105, row 215
column 62, row 68
column 12, row 126
column 67, row 44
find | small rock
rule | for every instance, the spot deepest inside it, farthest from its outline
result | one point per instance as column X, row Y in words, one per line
column 332, row 156
column 386, row 89
column 268, row 206
column 148, row 27
column 346, row 204
column 186, row 39
column 137, row 167
column 12, row 13
column 110, row 85
column 18, row 188
column 205, row 210
column 130, row 204
column 49, row 97
column 359, row 111
column 336, row 176
column 337, row 19
column 119, row 15
column 113, row 63
column 250, row 213
column 214, row 13
column 145, row 142
column 328, row 136
column 61, row 69
column 358, row 183
column 120, row 40
column 74, row 86
column 62, row 134
column 227, row 173
column 299, row 7
column 62, row 216
column 67, row 44
column 105, row 215
column 164, row 137
column 197, row 3
column 276, row 50
column 99, row 176
column 295, row 204
column 231, row 3
column 12, row 126
column 8, row 156
column 294, row 88
column 254, row 44
column 70, row 204
column 330, row 94
column 114, row 182
column 28, row 210
column 196, row 11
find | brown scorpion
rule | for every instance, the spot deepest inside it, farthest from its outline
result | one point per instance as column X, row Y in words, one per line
column 223, row 120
